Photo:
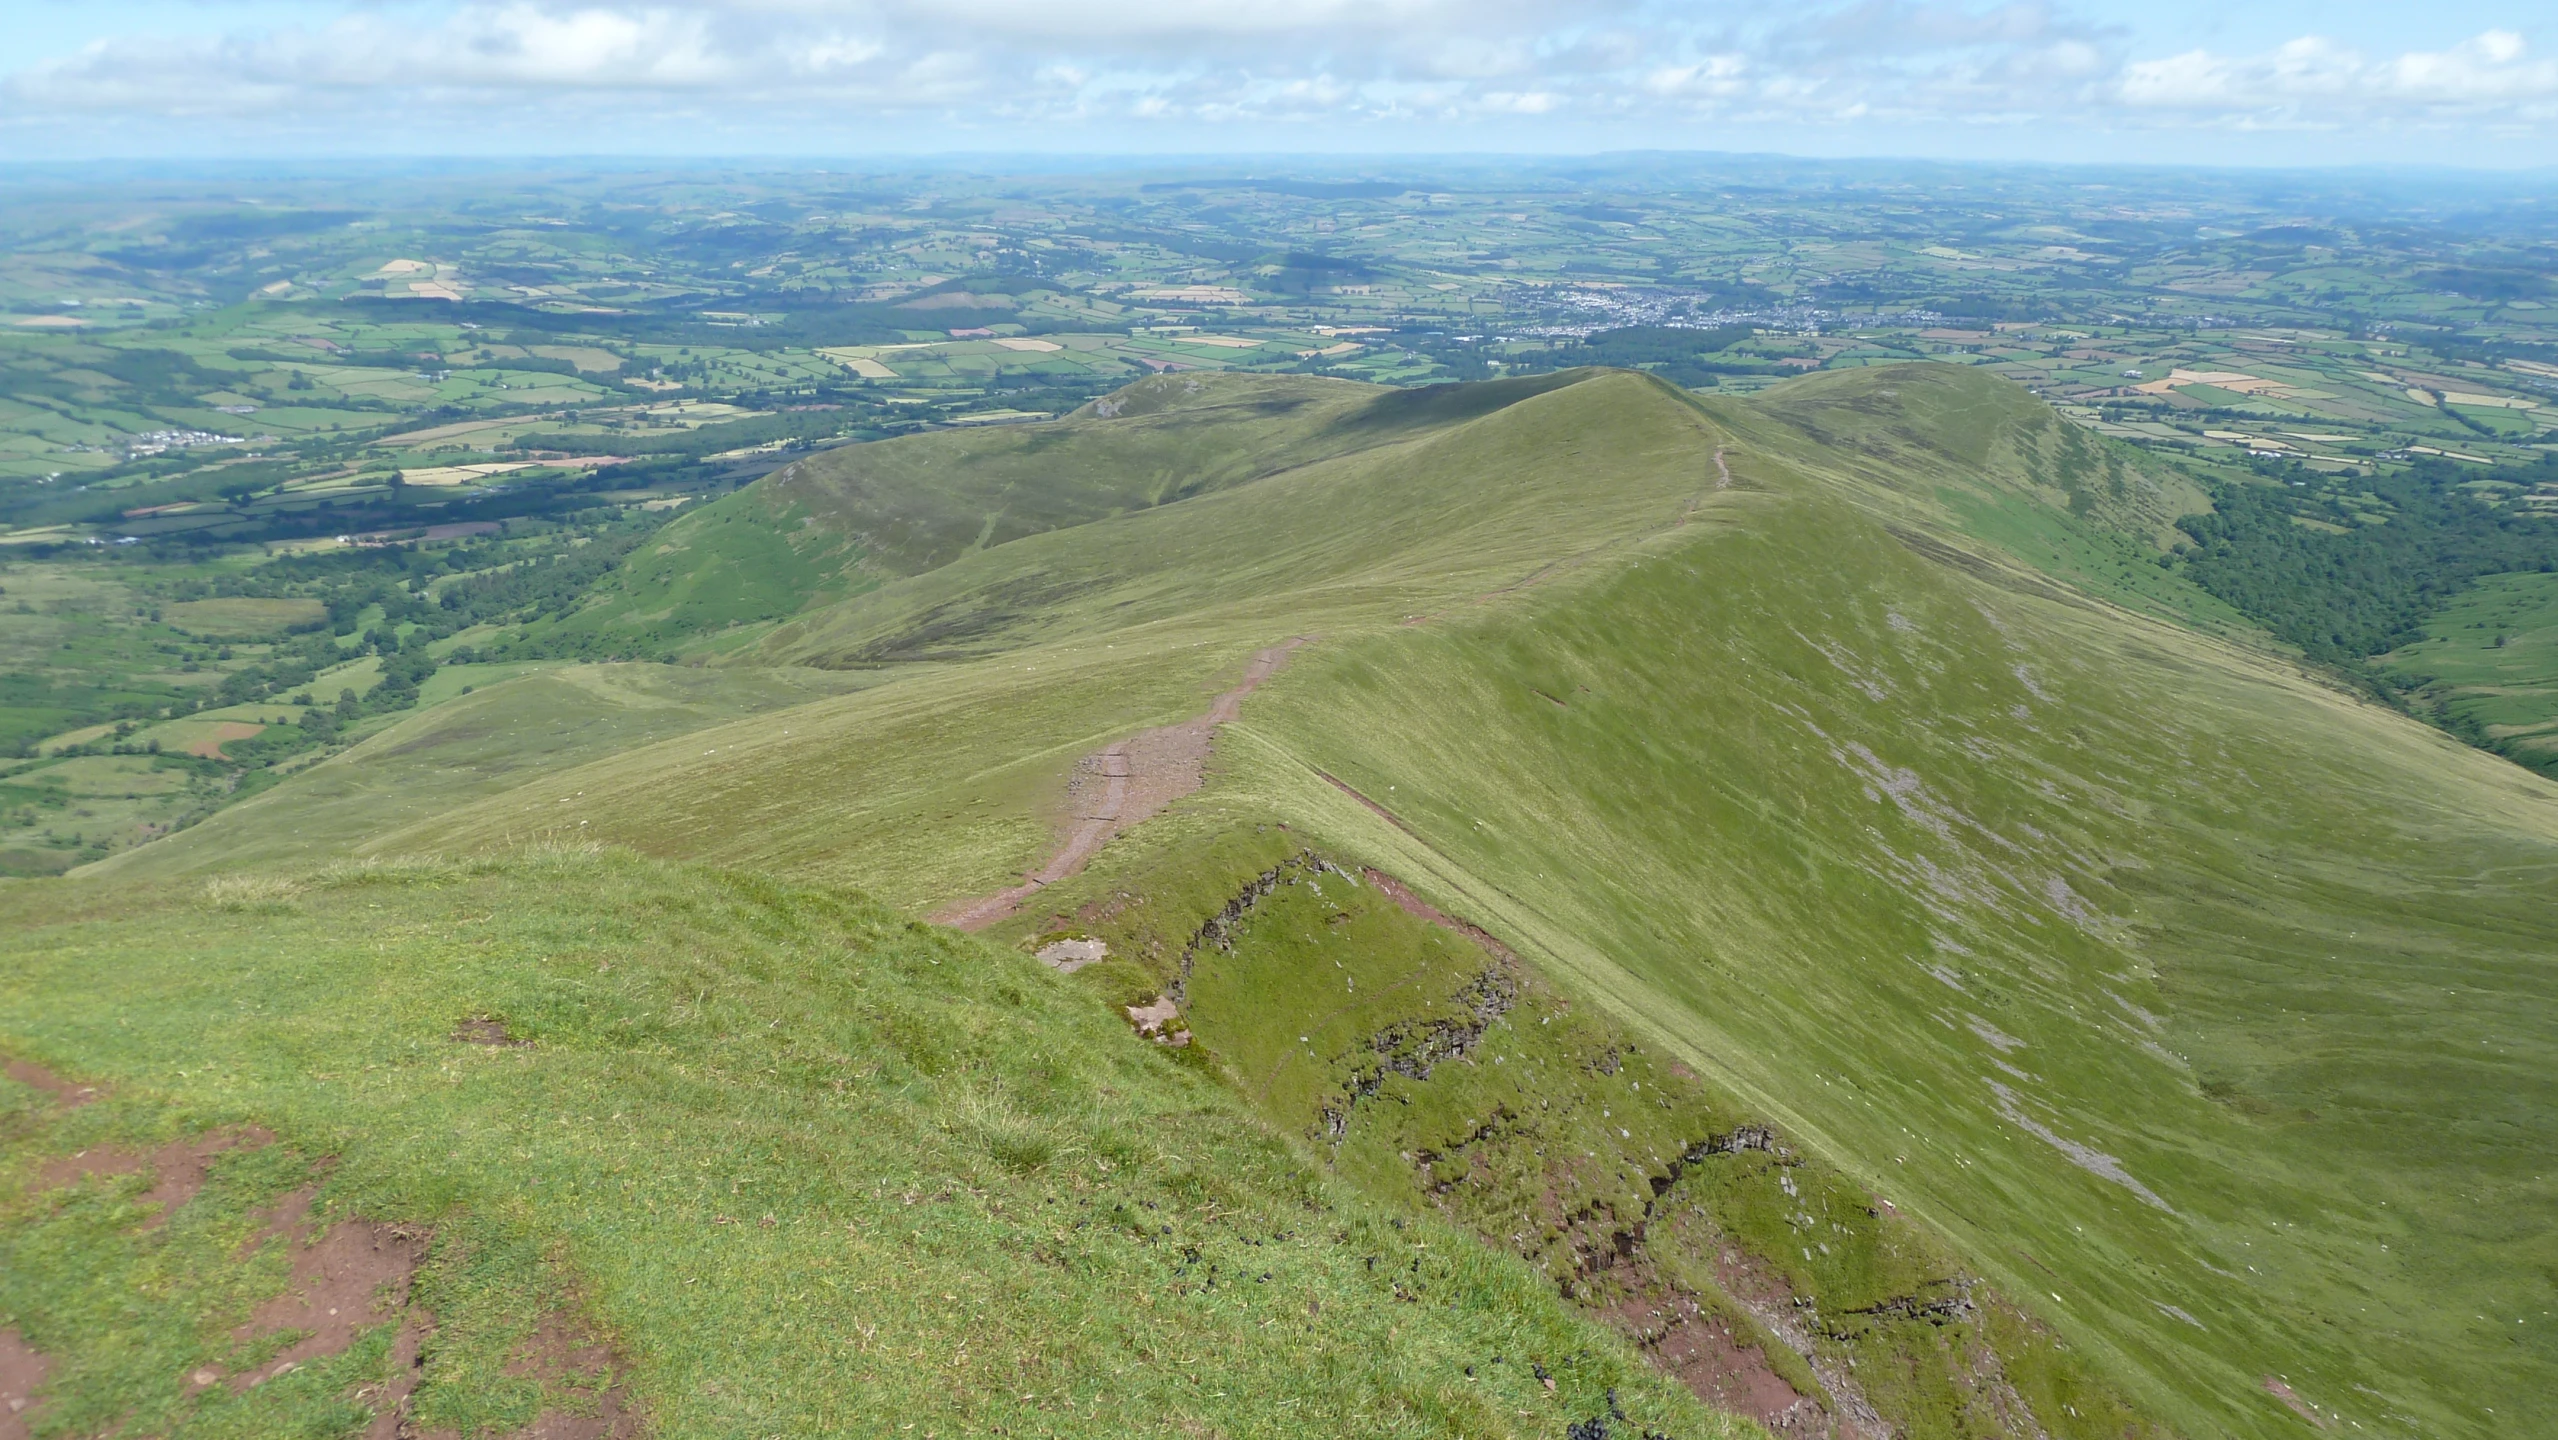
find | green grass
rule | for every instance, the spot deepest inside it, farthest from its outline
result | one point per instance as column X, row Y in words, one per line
column 807, row 1167
column 498, row 737
column 2489, row 663
column 2151, row 977
column 839, row 523
column 1549, row 1131
column 1669, row 837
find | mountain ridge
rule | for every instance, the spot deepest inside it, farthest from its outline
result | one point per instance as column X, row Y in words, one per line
column 1843, row 747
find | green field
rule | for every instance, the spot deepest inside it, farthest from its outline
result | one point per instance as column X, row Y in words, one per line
column 2489, row 661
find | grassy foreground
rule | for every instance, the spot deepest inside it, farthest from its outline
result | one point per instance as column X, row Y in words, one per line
column 801, row 1166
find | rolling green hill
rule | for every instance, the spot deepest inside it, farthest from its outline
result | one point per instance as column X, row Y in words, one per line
column 2057, row 1009
column 848, row 520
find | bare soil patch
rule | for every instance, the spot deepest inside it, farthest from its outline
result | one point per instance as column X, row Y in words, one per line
column 178, row 1169
column 1698, row 1349
column 345, row 1279
column 22, row 1372
column 1770, row 1301
column 561, row 1353
column 209, row 747
column 1126, row 784
column 390, row 1401
column 64, row 1093
column 486, row 1030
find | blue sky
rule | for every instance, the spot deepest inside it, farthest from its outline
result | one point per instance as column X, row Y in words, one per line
column 2457, row 82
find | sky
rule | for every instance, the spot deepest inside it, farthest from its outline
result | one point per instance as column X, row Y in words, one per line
column 2458, row 83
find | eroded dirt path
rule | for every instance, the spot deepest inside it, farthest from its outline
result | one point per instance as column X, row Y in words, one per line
column 22, row 1372
column 68, row 1095
column 1122, row 785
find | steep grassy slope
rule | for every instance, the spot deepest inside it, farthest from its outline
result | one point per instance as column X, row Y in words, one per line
column 842, row 522
column 1426, row 1062
column 946, row 783
column 2203, row 1009
column 2115, row 960
column 591, row 1137
column 1932, row 445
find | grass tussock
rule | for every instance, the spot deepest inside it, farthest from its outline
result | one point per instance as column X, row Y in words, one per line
column 251, row 894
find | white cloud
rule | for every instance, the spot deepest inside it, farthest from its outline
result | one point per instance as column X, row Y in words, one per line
column 1715, row 77
column 2317, row 81
column 1674, row 67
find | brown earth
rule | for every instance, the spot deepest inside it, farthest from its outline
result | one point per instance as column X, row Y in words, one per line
column 22, row 1372
column 1758, row 1289
column 34, row 1076
column 1698, row 1349
column 224, row 732
column 561, row 1353
column 486, row 1030
column 390, row 1400
column 347, row 1278
column 1673, row 1327
column 1123, row 785
column 178, row 1169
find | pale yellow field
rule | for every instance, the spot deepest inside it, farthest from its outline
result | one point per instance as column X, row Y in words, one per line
column 584, row 357
column 1201, row 294
column 436, row 475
